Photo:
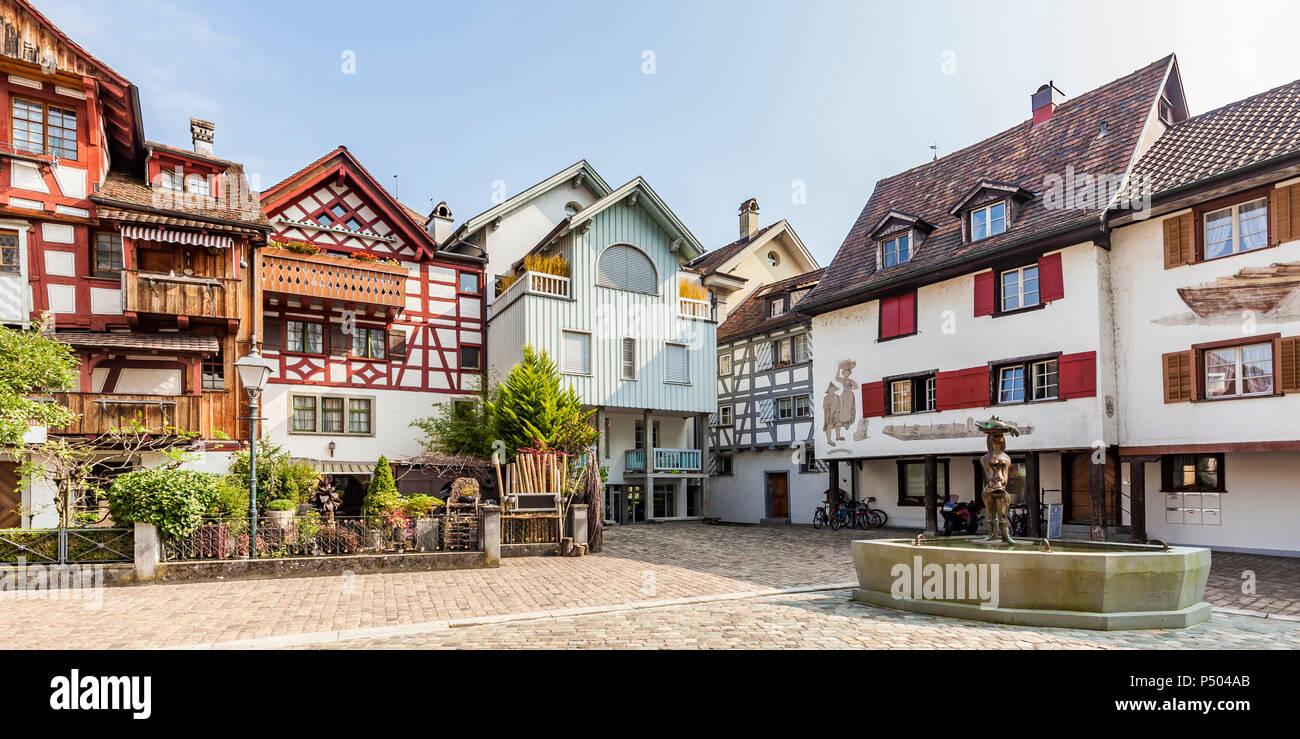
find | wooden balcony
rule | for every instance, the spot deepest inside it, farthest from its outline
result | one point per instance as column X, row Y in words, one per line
column 99, row 412
column 180, row 295
column 333, row 278
column 665, row 460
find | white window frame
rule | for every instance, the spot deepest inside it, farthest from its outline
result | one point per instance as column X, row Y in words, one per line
column 1054, row 373
column 784, row 409
column 987, row 210
column 726, row 415
column 197, row 183
column 776, row 307
column 623, row 372
column 1239, row 380
column 725, row 367
column 564, row 358
column 895, row 241
column 1002, row 379
column 1234, row 241
column 900, row 397
column 1020, row 292
column 171, row 179
column 799, row 349
column 782, row 352
column 803, row 406
column 931, row 393
column 687, row 350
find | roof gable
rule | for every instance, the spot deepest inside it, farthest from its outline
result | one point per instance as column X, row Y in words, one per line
column 753, row 315
column 726, row 258
column 639, row 193
column 579, row 173
column 1025, row 155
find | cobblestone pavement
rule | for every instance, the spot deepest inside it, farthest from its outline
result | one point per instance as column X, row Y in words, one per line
column 823, row 620
column 640, row 564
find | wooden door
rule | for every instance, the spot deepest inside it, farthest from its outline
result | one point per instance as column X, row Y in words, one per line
column 1079, row 485
column 10, row 496
column 158, row 260
column 779, row 490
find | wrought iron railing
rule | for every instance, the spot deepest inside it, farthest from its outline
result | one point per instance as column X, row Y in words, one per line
column 534, row 528
column 308, row 535
column 67, row 546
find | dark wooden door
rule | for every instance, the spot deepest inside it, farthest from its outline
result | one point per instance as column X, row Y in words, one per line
column 10, row 496
column 1079, row 486
column 780, row 493
column 155, row 260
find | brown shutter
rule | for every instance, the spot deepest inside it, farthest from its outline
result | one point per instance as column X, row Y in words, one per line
column 1284, row 208
column 397, row 344
column 1288, row 366
column 1178, row 376
column 1178, row 241
column 340, row 343
column 272, row 334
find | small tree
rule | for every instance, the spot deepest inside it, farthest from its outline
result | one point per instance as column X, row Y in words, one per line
column 460, row 428
column 32, row 363
column 533, row 409
column 382, row 494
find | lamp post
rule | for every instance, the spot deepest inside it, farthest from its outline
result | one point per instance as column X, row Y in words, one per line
column 253, row 371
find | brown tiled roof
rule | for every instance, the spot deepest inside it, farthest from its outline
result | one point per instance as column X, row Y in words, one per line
column 751, row 316
column 145, row 342
column 1250, row 131
column 135, row 216
column 709, row 262
column 1023, row 155
column 127, row 191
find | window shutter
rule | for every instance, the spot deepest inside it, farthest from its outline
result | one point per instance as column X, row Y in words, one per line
column 1178, row 241
column 628, row 268
column 1178, row 376
column 678, row 363
column 966, row 388
column 1051, row 283
column 1289, row 364
column 765, row 412
column 888, row 318
column 985, row 295
column 713, row 420
column 340, row 343
column 273, row 334
column 577, row 353
column 397, row 344
column 1077, row 375
column 629, row 359
column 763, row 356
column 906, row 314
column 1284, row 208
column 873, row 400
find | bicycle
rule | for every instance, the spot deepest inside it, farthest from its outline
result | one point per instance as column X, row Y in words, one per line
column 867, row 517
column 820, row 517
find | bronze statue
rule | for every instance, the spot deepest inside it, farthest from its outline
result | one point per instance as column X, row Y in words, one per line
column 997, row 473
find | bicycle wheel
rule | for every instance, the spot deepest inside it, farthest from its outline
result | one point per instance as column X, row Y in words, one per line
column 819, row 518
column 837, row 520
column 878, row 518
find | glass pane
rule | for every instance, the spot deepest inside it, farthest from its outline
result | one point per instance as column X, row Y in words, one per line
column 978, row 225
column 1207, row 472
column 377, row 341
column 1218, row 233
column 904, row 249
column 1257, row 368
column 1221, row 372
column 1252, row 225
column 315, row 338
column 1011, row 385
column 997, row 219
column 294, row 339
column 1045, row 380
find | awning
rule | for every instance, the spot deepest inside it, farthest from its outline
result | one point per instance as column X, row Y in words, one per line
column 142, row 233
column 169, row 342
column 345, row 468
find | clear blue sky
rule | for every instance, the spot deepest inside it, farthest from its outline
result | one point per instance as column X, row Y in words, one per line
column 747, row 97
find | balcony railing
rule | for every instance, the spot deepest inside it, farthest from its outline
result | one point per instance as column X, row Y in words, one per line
column 180, row 295
column 535, row 283
column 99, row 412
column 665, row 460
column 693, row 309
column 333, row 278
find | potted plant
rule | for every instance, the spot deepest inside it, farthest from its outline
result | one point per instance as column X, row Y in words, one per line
column 281, row 511
column 420, row 508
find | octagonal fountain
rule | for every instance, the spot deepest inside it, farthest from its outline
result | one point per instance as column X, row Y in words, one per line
column 1033, row 582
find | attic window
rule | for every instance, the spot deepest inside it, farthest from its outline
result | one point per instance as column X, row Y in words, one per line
column 776, row 307
column 990, row 220
column 571, row 209
column 773, row 259
column 896, row 250
column 1166, row 111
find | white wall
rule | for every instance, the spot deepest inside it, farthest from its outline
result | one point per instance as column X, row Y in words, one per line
column 741, row 497
column 674, row 433
column 393, row 412
column 522, row 228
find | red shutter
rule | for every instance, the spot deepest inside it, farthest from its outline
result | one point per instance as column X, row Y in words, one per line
column 888, row 318
column 1078, row 375
column 966, row 388
column 907, row 314
column 985, row 295
column 1051, row 284
column 873, row 399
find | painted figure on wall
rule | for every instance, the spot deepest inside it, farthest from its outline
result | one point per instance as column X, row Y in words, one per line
column 840, row 404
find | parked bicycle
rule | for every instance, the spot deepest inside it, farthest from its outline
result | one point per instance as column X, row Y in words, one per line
column 1018, row 518
column 866, row 517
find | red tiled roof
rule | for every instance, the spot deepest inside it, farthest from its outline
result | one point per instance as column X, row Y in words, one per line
column 1259, row 128
column 123, row 190
column 146, row 342
column 752, row 316
column 1023, row 155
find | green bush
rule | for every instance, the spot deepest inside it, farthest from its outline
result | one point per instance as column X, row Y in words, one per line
column 232, row 499
column 295, row 480
column 381, row 496
column 281, row 504
column 173, row 500
column 419, row 505
column 277, row 475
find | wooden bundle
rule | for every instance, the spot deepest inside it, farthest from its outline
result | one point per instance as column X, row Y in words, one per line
column 539, row 472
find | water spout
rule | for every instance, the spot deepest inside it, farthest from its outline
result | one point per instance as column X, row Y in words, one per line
column 1047, row 545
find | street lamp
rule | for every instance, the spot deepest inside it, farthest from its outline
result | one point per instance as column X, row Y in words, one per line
column 253, row 371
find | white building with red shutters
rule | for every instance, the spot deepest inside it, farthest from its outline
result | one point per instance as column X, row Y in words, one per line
column 370, row 321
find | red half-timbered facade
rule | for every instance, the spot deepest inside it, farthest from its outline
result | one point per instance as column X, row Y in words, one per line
column 370, row 322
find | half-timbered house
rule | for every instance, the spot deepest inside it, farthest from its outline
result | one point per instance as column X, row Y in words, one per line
column 369, row 320
column 136, row 251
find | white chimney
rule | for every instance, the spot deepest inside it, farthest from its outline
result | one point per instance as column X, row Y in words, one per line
column 438, row 224
column 748, row 218
column 202, row 131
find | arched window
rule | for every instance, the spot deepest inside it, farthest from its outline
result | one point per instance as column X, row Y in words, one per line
column 627, row 268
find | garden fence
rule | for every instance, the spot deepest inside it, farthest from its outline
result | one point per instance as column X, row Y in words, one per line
column 65, row 546
column 309, row 535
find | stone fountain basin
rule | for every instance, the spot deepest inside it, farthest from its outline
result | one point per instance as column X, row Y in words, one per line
column 1080, row 584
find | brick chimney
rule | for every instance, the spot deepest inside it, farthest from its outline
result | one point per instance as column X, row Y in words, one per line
column 201, row 131
column 1044, row 102
column 748, row 218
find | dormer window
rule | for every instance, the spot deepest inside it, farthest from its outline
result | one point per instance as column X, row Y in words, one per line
column 170, row 179
column 197, row 184
column 776, row 307
column 896, row 250
column 990, row 220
